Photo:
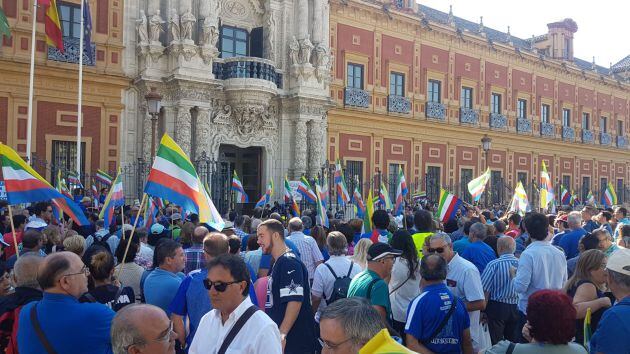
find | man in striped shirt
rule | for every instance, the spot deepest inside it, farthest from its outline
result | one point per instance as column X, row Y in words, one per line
column 502, row 310
column 310, row 254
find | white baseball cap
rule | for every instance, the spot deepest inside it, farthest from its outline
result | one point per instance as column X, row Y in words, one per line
column 619, row 261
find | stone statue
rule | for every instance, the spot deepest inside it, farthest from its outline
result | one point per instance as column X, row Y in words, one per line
column 188, row 21
column 215, row 9
column 209, row 34
column 174, row 26
column 141, row 28
column 156, row 26
column 321, row 56
column 294, row 51
column 306, row 47
column 269, row 40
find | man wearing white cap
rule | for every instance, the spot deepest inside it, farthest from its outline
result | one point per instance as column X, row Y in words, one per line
column 613, row 332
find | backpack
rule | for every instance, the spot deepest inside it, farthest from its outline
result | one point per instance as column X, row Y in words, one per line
column 8, row 330
column 102, row 241
column 340, row 286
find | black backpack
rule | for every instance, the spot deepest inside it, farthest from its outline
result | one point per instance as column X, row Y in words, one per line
column 340, row 286
column 102, row 241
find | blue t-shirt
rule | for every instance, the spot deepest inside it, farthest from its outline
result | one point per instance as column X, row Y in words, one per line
column 590, row 225
column 479, row 254
column 192, row 300
column 160, row 288
column 426, row 312
column 460, row 245
column 70, row 326
column 569, row 242
column 611, row 336
column 289, row 282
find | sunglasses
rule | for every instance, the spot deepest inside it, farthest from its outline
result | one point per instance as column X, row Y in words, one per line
column 436, row 250
column 218, row 285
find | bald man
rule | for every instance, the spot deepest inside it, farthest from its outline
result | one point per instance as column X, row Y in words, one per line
column 194, row 254
column 142, row 328
column 501, row 297
column 63, row 277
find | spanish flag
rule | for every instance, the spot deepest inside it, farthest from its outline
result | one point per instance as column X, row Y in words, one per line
column 52, row 23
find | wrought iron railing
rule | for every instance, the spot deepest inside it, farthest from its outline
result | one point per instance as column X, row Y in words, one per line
column 356, row 97
column 498, row 121
column 398, row 104
column 547, row 129
column 587, row 136
column 622, row 141
column 523, row 125
column 436, row 110
column 468, row 115
column 568, row 133
column 71, row 52
column 605, row 138
column 246, row 68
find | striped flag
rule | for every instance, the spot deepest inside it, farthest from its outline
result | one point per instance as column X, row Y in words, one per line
column 52, row 23
column 609, row 197
column 588, row 332
column 478, row 185
column 267, row 196
column 357, row 200
column 546, row 187
column 590, row 198
column 565, row 196
column 237, row 186
column 62, row 187
column 369, row 210
column 289, row 200
column 150, row 213
column 173, row 177
column 401, row 192
column 448, row 206
column 325, row 191
column 383, row 197
column 103, row 177
column 115, row 199
column 24, row 185
column 342, row 191
column 73, row 179
column 322, row 216
column 575, row 200
column 520, row 204
column 95, row 194
column 5, row 31
column 304, row 188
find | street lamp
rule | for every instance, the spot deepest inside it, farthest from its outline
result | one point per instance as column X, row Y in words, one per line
column 486, row 144
column 154, row 100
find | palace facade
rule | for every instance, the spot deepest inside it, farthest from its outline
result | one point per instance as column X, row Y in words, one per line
column 417, row 89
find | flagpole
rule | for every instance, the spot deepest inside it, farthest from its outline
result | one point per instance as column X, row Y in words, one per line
column 80, row 100
column 15, row 243
column 133, row 230
column 29, row 123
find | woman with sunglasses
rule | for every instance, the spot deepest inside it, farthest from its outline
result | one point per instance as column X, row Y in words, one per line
column 586, row 287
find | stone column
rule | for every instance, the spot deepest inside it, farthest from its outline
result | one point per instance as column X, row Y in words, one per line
column 203, row 131
column 301, row 139
column 318, row 26
column 145, row 119
column 302, row 19
column 315, row 147
column 183, row 127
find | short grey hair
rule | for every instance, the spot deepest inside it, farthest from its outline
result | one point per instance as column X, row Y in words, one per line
column 619, row 278
column 295, row 224
column 124, row 332
column 25, row 270
column 506, row 245
column 337, row 243
column 574, row 219
column 359, row 320
column 479, row 230
column 441, row 236
column 255, row 223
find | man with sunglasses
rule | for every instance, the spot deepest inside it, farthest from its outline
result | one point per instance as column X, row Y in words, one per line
column 59, row 322
column 235, row 322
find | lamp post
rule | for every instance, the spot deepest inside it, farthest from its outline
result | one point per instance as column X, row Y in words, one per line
column 486, row 144
column 154, row 100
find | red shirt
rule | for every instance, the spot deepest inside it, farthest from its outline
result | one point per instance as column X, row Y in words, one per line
column 8, row 238
column 513, row 233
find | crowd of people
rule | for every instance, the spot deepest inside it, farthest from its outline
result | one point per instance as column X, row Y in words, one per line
column 486, row 281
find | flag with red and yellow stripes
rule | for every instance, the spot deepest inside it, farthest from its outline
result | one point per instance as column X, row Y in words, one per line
column 52, row 23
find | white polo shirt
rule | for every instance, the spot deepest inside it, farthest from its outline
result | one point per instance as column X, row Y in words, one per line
column 324, row 280
column 259, row 335
column 464, row 281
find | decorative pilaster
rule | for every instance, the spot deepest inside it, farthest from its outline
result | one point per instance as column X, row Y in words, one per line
column 314, row 142
column 299, row 165
column 183, row 124
column 202, row 130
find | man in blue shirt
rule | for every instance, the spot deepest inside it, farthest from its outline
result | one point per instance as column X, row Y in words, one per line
column 436, row 320
column 613, row 332
column 587, row 216
column 571, row 238
column 69, row 326
column 478, row 252
column 162, row 282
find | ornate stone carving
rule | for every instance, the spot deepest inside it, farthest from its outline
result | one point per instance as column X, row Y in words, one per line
column 191, row 94
column 306, row 47
column 322, row 60
column 155, row 24
column 249, row 118
column 222, row 115
column 294, row 51
column 173, row 24
column 183, row 131
column 300, row 147
column 188, row 21
column 142, row 29
column 203, row 130
column 209, row 34
column 269, row 32
column 188, row 50
column 315, row 142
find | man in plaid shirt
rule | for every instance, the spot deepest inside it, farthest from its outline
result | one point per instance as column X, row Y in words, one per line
column 194, row 254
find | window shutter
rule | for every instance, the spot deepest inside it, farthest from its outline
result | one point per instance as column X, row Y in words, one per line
column 256, row 43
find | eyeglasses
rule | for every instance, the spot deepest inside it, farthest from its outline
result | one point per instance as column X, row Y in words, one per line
column 84, row 270
column 436, row 250
column 218, row 285
column 328, row 345
column 165, row 336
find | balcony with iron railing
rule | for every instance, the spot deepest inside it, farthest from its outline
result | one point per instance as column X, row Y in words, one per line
column 587, row 136
column 468, row 116
column 605, row 138
column 568, row 133
column 547, row 130
column 356, row 97
column 436, row 110
column 498, row 121
column 71, row 48
column 247, row 68
column 622, row 141
column 398, row 104
column 523, row 125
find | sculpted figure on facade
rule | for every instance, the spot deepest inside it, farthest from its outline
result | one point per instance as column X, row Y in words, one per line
column 183, row 132
column 223, row 114
column 173, row 23
column 269, row 39
column 306, row 47
column 142, row 28
column 294, row 51
column 155, row 24
column 209, row 34
column 215, row 10
column 188, row 21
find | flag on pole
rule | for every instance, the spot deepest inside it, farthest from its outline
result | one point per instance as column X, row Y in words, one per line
column 357, row 200
column 267, row 196
column 448, row 206
column 520, row 204
column 52, row 24
column 103, row 177
column 369, row 210
column 87, row 26
column 95, row 194
column 565, row 197
column 5, row 31
column 237, row 186
column 150, row 213
column 575, row 200
column 304, row 188
column 325, row 191
column 24, row 185
column 383, row 197
column 61, row 186
column 590, row 198
column 173, row 177
column 73, row 179
column 289, row 200
column 609, row 197
column 322, row 216
column 401, row 192
column 546, row 187
column 115, row 199
column 340, row 185
column 588, row 332
column 478, row 185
